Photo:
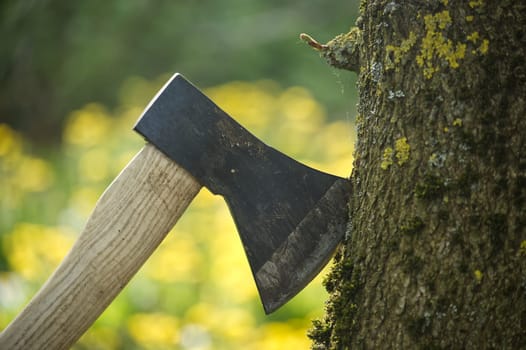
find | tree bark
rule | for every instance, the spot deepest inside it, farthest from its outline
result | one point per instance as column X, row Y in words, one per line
column 435, row 256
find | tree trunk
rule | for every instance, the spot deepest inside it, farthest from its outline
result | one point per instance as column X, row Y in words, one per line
column 435, row 256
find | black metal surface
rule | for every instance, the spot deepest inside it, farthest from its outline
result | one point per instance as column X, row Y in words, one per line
column 268, row 193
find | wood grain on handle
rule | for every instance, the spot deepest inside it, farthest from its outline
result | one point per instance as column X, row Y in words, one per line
column 129, row 221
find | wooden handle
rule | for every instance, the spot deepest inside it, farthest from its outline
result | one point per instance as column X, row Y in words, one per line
column 129, row 221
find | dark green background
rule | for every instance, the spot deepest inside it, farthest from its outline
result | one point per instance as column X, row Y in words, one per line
column 58, row 55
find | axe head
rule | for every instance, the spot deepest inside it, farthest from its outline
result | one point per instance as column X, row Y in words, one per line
column 290, row 217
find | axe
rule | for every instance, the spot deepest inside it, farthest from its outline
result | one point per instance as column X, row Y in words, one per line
column 290, row 217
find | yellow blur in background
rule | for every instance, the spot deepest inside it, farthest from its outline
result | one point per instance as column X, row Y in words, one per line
column 196, row 291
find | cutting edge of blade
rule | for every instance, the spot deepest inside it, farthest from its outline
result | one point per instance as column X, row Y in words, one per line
column 306, row 251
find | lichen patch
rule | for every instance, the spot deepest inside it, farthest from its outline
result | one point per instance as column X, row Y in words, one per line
column 435, row 45
column 403, row 150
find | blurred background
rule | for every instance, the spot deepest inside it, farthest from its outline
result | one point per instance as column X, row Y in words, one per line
column 74, row 78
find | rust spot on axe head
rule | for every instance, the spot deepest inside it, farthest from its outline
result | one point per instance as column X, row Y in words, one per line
column 290, row 217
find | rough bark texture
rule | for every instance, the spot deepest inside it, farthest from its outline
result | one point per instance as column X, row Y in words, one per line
column 436, row 252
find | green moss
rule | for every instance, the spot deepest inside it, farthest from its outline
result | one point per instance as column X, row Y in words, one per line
column 343, row 283
column 343, row 51
column 412, row 227
column 342, row 270
column 320, row 334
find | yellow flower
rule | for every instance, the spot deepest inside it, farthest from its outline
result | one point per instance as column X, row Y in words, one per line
column 277, row 336
column 33, row 174
column 100, row 338
column 251, row 104
column 236, row 324
column 154, row 330
column 176, row 259
column 87, row 127
column 230, row 270
column 94, row 165
column 299, row 106
column 34, row 250
column 10, row 141
column 83, row 199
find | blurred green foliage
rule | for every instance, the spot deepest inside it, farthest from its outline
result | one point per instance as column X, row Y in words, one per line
column 57, row 55
column 196, row 291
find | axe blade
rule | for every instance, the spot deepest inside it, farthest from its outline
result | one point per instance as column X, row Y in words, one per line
column 290, row 217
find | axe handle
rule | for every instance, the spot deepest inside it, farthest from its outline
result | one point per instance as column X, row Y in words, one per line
column 129, row 221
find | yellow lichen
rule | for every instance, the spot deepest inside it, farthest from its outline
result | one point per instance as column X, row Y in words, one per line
column 483, row 48
column 387, row 158
column 453, row 56
column 446, row 129
column 359, row 120
column 457, row 122
column 402, row 150
column 435, row 45
column 473, row 37
column 484, row 45
column 469, row 18
column 397, row 52
column 442, row 19
column 522, row 248
column 478, row 275
column 476, row 3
